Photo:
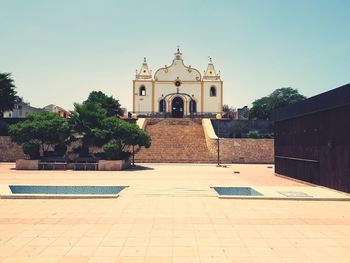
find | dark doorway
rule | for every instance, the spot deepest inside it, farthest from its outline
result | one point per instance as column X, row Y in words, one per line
column 177, row 107
column 162, row 105
column 193, row 106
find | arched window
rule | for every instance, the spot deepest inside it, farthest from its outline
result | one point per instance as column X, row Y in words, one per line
column 162, row 105
column 193, row 106
column 142, row 91
column 212, row 91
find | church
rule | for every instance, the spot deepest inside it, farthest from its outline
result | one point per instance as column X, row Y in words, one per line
column 177, row 90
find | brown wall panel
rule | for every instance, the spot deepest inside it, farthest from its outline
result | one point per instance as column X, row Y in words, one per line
column 316, row 148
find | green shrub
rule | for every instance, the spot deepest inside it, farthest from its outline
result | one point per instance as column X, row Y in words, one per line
column 253, row 134
column 45, row 129
column 31, row 149
column 113, row 151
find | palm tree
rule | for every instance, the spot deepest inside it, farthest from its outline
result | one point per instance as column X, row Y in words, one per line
column 7, row 93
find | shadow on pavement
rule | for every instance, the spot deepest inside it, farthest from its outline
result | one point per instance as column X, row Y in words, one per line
column 138, row 168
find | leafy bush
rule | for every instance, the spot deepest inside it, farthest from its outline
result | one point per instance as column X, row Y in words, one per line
column 124, row 133
column 93, row 123
column 263, row 107
column 45, row 129
column 113, row 151
column 85, row 122
column 108, row 103
column 31, row 149
column 253, row 134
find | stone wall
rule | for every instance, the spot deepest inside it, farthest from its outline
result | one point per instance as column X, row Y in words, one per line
column 10, row 151
column 231, row 150
column 244, row 150
column 234, row 150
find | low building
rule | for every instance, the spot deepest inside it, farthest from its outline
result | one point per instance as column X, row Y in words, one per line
column 56, row 109
column 242, row 113
column 312, row 139
column 21, row 110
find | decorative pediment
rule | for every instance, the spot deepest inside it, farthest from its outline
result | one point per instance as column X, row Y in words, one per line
column 177, row 70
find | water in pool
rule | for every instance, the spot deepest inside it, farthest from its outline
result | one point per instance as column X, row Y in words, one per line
column 246, row 191
column 68, row 190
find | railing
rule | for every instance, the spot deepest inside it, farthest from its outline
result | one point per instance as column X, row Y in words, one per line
column 240, row 128
column 144, row 114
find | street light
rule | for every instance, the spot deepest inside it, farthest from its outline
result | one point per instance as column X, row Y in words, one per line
column 218, row 117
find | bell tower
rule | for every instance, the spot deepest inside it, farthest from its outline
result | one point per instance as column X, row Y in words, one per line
column 212, row 88
column 210, row 73
column 143, row 90
column 144, row 72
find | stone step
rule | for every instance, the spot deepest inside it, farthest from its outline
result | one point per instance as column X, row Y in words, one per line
column 175, row 140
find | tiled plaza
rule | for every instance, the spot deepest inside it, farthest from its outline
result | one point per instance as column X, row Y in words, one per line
column 170, row 214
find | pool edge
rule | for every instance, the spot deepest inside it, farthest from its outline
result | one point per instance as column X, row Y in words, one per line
column 6, row 193
column 44, row 196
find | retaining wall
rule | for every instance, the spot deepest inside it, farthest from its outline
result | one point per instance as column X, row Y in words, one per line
column 9, row 151
column 237, row 150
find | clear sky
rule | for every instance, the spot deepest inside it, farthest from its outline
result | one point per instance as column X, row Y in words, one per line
column 60, row 50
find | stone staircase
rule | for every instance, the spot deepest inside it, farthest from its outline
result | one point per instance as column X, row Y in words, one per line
column 175, row 141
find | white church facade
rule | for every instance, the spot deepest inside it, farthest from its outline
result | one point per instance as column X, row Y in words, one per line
column 177, row 90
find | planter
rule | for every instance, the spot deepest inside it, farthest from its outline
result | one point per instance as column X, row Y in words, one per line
column 112, row 165
column 23, row 164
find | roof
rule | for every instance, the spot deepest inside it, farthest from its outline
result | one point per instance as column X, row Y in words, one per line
column 334, row 98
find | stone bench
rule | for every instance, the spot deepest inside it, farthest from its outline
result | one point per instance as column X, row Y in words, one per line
column 54, row 162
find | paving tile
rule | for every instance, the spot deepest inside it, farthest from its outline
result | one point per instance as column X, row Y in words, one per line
column 32, row 259
column 107, row 251
column 102, row 260
column 159, row 251
column 30, row 251
column 159, row 219
column 132, row 259
column 41, row 241
column 65, row 241
column 160, row 259
column 55, row 251
column 89, row 241
column 182, row 251
column 75, row 259
column 133, row 252
column 186, row 260
column 85, row 251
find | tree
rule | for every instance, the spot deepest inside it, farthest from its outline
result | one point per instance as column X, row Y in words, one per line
column 263, row 107
column 229, row 112
column 226, row 108
column 41, row 131
column 93, row 124
column 86, row 124
column 7, row 93
column 110, row 104
column 119, row 134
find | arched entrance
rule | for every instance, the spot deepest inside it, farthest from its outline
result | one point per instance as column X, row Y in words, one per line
column 177, row 107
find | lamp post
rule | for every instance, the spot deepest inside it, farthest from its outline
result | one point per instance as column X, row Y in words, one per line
column 218, row 117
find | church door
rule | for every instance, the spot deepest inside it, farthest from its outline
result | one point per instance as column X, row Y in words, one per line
column 177, row 106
